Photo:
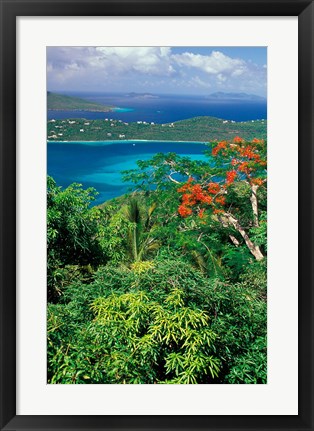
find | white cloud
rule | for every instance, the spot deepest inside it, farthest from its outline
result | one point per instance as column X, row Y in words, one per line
column 213, row 64
column 196, row 81
column 153, row 60
column 81, row 62
column 221, row 78
column 129, row 68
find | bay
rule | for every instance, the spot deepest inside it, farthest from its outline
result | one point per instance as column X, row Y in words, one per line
column 99, row 164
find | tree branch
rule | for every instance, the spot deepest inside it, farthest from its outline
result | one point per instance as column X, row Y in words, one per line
column 254, row 249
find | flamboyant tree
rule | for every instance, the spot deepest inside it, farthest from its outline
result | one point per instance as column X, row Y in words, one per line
column 237, row 161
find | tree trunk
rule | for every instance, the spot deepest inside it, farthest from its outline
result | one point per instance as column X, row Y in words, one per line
column 253, row 199
column 254, row 249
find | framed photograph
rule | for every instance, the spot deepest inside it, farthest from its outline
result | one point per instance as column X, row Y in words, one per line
column 156, row 215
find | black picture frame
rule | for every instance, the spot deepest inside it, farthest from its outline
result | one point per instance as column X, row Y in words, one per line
column 10, row 9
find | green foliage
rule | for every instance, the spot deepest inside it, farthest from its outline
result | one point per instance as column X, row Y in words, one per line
column 251, row 368
column 127, row 235
column 164, row 171
column 240, row 320
column 201, row 129
column 255, row 277
column 71, row 232
column 139, row 267
column 236, row 260
column 139, row 295
column 259, row 233
column 156, row 325
column 134, row 339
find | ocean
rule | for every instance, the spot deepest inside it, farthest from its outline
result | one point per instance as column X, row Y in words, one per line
column 166, row 109
column 99, row 164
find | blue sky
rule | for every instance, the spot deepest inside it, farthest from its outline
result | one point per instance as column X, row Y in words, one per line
column 172, row 70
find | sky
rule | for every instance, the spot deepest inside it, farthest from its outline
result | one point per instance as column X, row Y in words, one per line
column 158, row 70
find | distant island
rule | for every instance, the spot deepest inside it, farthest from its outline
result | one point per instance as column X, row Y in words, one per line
column 220, row 95
column 202, row 129
column 60, row 102
column 142, row 95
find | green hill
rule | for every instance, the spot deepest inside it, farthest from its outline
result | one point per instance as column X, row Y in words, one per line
column 60, row 102
column 201, row 129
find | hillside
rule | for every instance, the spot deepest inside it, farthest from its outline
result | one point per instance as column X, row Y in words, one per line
column 60, row 102
column 194, row 129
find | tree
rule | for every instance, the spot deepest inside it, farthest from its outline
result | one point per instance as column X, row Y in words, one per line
column 140, row 242
column 236, row 160
column 72, row 228
column 230, row 187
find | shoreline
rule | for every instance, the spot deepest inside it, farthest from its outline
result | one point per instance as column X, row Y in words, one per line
column 130, row 140
column 110, row 109
column 78, row 110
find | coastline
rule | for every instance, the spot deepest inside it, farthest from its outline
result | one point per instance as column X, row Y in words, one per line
column 128, row 141
column 79, row 110
column 110, row 109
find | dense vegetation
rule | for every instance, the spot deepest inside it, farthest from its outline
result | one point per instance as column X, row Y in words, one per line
column 61, row 102
column 200, row 129
column 168, row 283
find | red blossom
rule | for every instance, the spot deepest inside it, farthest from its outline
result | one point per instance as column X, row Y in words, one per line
column 221, row 200
column 244, row 167
column 201, row 213
column 249, row 153
column 216, row 211
column 257, row 181
column 230, row 177
column 207, row 199
column 184, row 211
column 184, row 188
column 242, row 158
column 186, row 198
column 213, row 188
column 221, row 146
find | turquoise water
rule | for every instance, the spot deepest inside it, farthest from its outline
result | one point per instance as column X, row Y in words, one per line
column 99, row 164
column 122, row 109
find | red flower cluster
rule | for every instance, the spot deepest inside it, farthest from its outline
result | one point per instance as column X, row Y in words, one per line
column 257, row 181
column 230, row 177
column 184, row 211
column 194, row 194
column 186, row 186
column 213, row 188
column 221, row 146
column 244, row 167
column 220, row 200
column 244, row 159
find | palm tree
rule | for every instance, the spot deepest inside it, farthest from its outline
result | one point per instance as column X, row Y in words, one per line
column 140, row 241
